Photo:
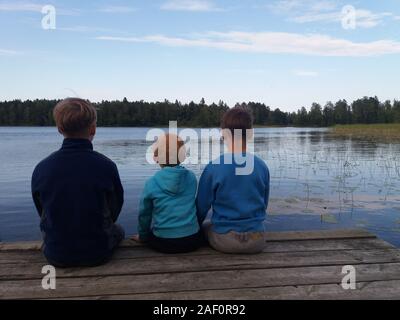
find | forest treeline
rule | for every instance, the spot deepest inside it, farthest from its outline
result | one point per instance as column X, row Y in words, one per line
column 141, row 114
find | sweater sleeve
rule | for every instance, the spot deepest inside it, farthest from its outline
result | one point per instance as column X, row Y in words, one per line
column 205, row 194
column 267, row 188
column 145, row 214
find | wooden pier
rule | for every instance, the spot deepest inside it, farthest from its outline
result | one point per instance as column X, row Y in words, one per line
column 294, row 265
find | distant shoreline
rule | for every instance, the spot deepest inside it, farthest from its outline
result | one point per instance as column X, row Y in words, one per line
column 349, row 129
column 202, row 115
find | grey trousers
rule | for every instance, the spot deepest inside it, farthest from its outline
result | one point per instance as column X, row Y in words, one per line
column 235, row 242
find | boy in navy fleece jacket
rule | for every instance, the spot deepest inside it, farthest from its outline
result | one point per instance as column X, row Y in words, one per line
column 78, row 193
column 238, row 199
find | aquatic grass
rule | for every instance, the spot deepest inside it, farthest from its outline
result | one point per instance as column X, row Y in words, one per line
column 386, row 132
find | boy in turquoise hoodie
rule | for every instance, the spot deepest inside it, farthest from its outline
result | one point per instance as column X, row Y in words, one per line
column 167, row 214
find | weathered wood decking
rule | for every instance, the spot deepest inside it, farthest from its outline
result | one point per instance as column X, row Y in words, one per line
column 294, row 265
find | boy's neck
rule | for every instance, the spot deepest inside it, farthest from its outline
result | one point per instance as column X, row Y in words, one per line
column 237, row 149
column 78, row 137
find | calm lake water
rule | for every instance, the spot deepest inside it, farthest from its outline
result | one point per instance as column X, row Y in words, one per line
column 317, row 181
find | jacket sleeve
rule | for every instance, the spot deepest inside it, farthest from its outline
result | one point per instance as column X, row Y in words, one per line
column 205, row 194
column 145, row 214
column 36, row 193
column 116, row 199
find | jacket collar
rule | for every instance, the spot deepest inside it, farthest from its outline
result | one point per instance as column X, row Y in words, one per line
column 69, row 143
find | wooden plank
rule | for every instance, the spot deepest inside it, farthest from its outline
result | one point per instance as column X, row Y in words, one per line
column 195, row 281
column 382, row 290
column 174, row 264
column 37, row 245
column 21, row 257
column 270, row 236
column 327, row 244
column 318, row 235
column 20, row 246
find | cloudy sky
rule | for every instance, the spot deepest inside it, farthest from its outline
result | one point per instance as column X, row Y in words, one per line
column 286, row 53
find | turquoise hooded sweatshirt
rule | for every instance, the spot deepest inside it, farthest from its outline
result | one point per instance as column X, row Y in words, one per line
column 167, row 206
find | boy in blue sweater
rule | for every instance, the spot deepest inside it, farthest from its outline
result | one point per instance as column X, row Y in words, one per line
column 238, row 199
column 167, row 213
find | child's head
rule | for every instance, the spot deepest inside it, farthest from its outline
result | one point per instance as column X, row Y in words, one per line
column 75, row 118
column 169, row 150
column 237, row 125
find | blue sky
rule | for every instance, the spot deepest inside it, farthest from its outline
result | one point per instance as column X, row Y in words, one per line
column 286, row 53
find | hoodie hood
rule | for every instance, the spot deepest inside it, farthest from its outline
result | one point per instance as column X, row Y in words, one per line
column 172, row 180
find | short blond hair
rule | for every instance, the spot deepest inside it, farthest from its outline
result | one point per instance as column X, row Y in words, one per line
column 169, row 150
column 73, row 116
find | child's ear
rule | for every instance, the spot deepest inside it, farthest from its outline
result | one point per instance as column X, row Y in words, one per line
column 93, row 129
column 92, row 132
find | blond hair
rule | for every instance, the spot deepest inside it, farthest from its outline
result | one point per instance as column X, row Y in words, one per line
column 169, row 150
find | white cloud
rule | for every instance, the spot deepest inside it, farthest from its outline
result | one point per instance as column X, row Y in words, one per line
column 117, row 9
column 328, row 11
column 273, row 43
column 284, row 6
column 189, row 5
column 20, row 6
column 296, row 6
column 316, row 17
column 364, row 18
column 24, row 6
column 305, row 73
column 4, row 52
column 84, row 29
column 323, row 6
column 368, row 19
